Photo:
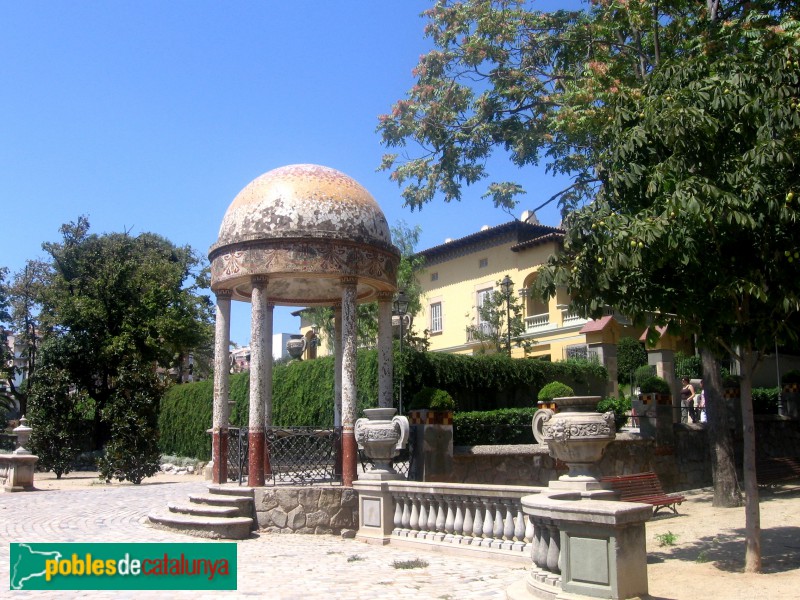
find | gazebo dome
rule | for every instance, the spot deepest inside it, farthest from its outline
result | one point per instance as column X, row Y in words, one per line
column 304, row 227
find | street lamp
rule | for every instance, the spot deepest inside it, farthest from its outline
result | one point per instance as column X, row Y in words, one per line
column 400, row 306
column 507, row 286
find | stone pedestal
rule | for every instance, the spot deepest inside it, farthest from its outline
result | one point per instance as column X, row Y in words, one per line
column 655, row 412
column 21, row 468
column 375, row 511
column 433, row 445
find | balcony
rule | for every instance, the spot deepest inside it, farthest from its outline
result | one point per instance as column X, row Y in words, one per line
column 537, row 322
column 473, row 333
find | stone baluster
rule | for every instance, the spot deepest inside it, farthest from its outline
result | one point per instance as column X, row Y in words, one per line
column 519, row 530
column 477, row 523
column 431, row 527
column 469, row 511
column 542, row 543
column 423, row 518
column 449, row 520
column 414, row 519
column 497, row 527
column 458, row 521
column 488, row 523
column 553, row 550
column 398, row 515
column 440, row 520
column 406, row 515
column 529, row 529
column 508, row 525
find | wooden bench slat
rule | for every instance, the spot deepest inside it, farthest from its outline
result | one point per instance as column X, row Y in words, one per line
column 645, row 488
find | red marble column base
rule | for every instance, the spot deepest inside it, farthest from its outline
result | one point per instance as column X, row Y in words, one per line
column 349, row 458
column 219, row 454
column 255, row 457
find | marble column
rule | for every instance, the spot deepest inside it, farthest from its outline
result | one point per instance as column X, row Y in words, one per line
column 337, row 365
column 349, row 400
column 385, row 366
column 219, row 426
column 260, row 355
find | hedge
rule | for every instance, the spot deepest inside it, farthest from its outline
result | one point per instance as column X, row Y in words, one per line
column 303, row 392
column 502, row 426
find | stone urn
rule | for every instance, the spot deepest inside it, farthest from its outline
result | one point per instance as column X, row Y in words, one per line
column 563, row 404
column 381, row 434
column 296, row 346
column 579, row 437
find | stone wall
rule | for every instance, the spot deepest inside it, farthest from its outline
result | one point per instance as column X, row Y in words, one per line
column 685, row 465
column 307, row 509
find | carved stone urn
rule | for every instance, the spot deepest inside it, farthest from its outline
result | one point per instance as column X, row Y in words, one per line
column 381, row 435
column 296, row 346
column 579, row 439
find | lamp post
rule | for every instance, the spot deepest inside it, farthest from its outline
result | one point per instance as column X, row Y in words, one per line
column 507, row 286
column 400, row 306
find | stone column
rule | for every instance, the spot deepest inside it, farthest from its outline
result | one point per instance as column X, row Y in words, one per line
column 385, row 366
column 337, row 365
column 260, row 355
column 268, row 360
column 219, row 427
column 349, row 448
column 664, row 361
column 607, row 355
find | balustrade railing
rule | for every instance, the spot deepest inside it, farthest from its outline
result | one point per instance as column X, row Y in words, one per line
column 537, row 321
column 477, row 516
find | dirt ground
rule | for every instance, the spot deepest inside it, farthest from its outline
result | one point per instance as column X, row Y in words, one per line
column 704, row 560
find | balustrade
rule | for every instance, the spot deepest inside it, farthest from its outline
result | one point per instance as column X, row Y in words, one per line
column 453, row 517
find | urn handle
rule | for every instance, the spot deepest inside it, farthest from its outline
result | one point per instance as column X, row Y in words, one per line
column 401, row 423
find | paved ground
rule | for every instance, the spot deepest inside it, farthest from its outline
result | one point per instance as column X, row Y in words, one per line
column 277, row 567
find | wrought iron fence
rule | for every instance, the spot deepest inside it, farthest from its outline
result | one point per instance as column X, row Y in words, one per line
column 304, row 455
column 402, row 463
column 237, row 454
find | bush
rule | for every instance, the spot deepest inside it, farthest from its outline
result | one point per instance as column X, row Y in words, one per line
column 619, row 406
column 792, row 376
column 655, row 385
column 554, row 389
column 631, row 355
column 433, row 399
column 765, row 400
column 731, row 381
column 493, row 427
column 642, row 373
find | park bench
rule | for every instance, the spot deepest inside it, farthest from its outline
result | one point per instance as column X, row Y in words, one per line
column 773, row 471
column 645, row 488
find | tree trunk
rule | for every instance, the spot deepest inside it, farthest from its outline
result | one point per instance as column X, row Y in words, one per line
column 752, row 562
column 723, row 468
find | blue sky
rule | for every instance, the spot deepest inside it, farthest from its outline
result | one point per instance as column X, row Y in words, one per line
column 151, row 116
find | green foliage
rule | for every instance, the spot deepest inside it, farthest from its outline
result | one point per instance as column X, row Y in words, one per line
column 554, row 389
column 132, row 452
column 689, row 367
column 666, row 539
column 619, row 406
column 731, row 381
column 54, row 416
column 642, row 373
column 500, row 317
column 631, row 355
column 185, row 416
column 765, row 401
column 433, row 399
column 493, row 427
column 792, row 376
column 655, row 385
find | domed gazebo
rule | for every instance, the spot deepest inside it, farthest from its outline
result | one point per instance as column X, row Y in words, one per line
column 300, row 235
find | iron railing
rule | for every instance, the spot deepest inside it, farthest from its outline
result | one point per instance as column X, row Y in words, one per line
column 238, row 450
column 304, row 455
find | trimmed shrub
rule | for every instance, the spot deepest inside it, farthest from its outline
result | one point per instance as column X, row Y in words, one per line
column 765, row 401
column 493, row 427
column 619, row 406
column 655, row 385
column 642, row 373
column 792, row 376
column 554, row 389
column 433, row 399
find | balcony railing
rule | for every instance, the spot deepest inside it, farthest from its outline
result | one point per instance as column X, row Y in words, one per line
column 473, row 333
column 534, row 322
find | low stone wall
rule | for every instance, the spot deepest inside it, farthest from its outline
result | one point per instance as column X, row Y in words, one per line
column 307, row 509
column 683, row 466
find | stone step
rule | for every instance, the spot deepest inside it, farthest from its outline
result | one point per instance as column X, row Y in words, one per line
column 228, row 528
column 241, row 502
column 230, row 490
column 203, row 510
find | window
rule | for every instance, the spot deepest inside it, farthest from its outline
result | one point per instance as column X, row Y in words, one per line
column 435, row 276
column 483, row 295
column 483, row 263
column 436, row 317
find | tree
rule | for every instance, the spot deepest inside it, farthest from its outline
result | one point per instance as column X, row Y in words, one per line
column 56, row 418
column 630, row 356
column 6, row 353
column 116, row 300
column 617, row 98
column 494, row 328
column 695, row 224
